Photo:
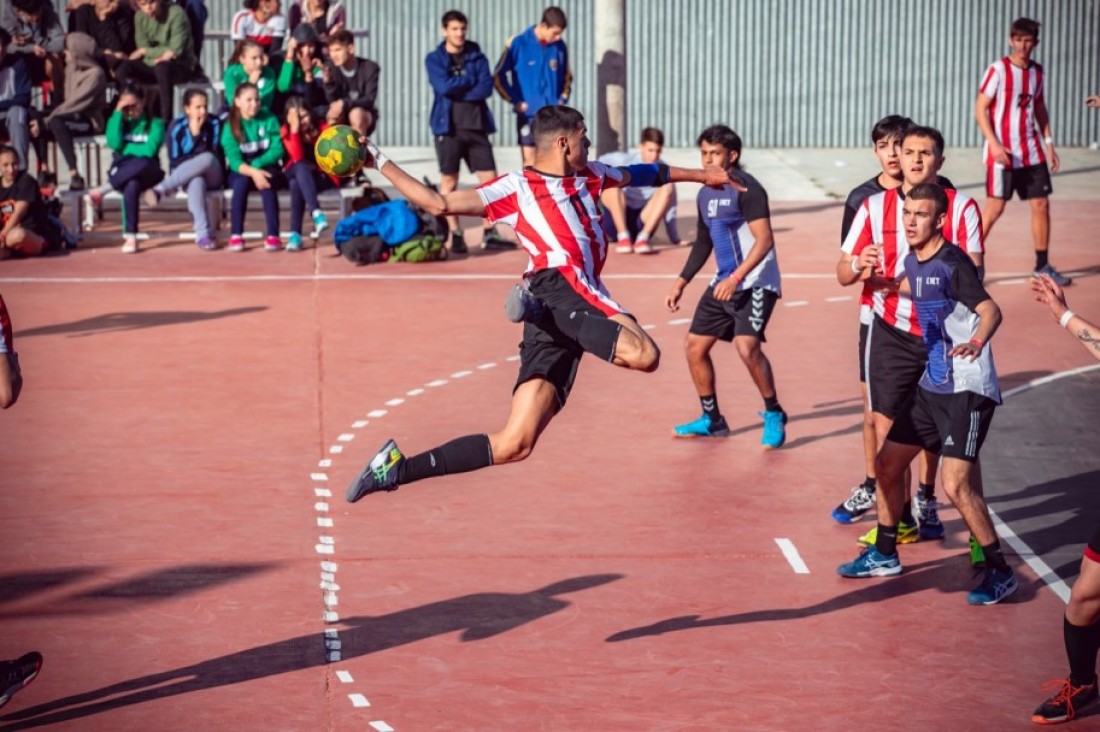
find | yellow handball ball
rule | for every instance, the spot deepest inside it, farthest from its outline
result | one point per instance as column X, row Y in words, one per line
column 338, row 151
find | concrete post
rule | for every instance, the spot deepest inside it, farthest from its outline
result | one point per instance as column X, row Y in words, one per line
column 610, row 47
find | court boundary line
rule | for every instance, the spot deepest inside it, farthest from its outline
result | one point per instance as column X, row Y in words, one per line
column 1056, row 584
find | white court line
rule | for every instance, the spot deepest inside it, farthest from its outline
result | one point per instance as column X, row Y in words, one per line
column 838, row 298
column 484, row 366
column 381, row 726
column 344, row 676
column 395, row 402
column 648, row 326
column 787, row 547
column 679, row 321
column 358, row 700
column 377, row 413
column 1031, row 558
column 461, row 374
column 796, row 303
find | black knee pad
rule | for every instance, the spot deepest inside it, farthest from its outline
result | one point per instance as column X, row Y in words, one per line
column 598, row 336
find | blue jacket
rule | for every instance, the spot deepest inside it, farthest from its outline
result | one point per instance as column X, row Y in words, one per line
column 531, row 72
column 474, row 84
column 183, row 146
column 393, row 221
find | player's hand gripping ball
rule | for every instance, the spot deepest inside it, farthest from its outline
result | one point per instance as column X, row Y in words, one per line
column 338, row 151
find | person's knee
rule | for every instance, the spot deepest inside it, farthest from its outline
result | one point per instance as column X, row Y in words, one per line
column 1040, row 206
column 748, row 349
column 511, row 446
column 646, row 356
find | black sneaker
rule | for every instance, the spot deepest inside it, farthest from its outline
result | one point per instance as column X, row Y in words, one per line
column 521, row 306
column 76, row 182
column 380, row 474
column 1066, row 703
column 490, row 239
column 14, row 675
column 458, row 244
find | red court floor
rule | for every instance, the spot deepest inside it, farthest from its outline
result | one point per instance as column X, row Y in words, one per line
column 177, row 544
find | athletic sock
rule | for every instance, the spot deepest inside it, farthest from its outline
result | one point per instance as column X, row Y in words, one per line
column 869, row 484
column 1040, row 260
column 993, row 556
column 1082, row 643
column 710, row 407
column 461, row 455
column 927, row 491
column 907, row 513
column 886, row 540
column 771, row 404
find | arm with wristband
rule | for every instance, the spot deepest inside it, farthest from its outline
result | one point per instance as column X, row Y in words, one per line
column 1087, row 334
column 465, row 202
column 647, row 175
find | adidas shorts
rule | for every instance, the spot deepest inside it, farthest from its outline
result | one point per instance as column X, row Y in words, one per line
column 1092, row 551
column 1030, row 182
column 895, row 363
column 950, row 425
column 746, row 314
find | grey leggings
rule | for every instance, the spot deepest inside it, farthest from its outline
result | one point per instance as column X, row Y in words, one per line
column 199, row 174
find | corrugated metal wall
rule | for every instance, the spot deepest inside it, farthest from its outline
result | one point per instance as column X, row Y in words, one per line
column 783, row 73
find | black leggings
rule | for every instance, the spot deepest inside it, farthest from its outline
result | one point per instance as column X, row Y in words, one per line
column 63, row 127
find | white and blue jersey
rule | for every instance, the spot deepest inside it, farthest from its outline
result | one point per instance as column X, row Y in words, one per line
column 724, row 217
column 946, row 290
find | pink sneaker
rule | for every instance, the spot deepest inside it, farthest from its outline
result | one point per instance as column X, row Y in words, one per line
column 236, row 243
column 272, row 244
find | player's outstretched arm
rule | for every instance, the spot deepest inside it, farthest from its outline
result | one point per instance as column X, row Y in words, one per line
column 646, row 175
column 1088, row 334
column 457, row 203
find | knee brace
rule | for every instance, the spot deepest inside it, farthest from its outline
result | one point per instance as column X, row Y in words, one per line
column 598, row 336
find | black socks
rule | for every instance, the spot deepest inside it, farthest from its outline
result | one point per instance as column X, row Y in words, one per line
column 462, row 455
column 886, row 540
column 771, row 404
column 1040, row 260
column 710, row 407
column 1082, row 643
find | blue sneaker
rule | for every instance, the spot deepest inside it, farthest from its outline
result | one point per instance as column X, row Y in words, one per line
column 320, row 222
column 775, row 431
column 380, row 474
column 294, row 242
column 702, row 427
column 860, row 502
column 931, row 528
column 870, row 563
column 994, row 587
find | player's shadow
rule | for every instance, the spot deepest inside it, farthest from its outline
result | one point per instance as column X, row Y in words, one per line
column 21, row 585
column 114, row 322
column 156, row 586
column 948, row 575
column 475, row 617
column 833, row 410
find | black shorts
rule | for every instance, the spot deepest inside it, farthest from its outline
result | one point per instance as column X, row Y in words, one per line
column 950, row 425
column 895, row 363
column 472, row 146
column 550, row 349
column 746, row 314
column 1030, row 182
column 523, row 131
column 1092, row 551
column 863, row 328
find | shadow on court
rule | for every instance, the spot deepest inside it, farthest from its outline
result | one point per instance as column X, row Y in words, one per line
column 163, row 584
column 475, row 617
column 950, row 576
column 114, row 322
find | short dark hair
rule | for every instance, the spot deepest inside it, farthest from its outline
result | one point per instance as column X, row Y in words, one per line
column 930, row 132
column 555, row 120
column 28, row 6
column 721, row 135
column 452, row 15
column 134, row 89
column 654, row 135
column 929, row 192
column 1020, row 27
column 342, row 37
column 893, row 125
column 554, row 17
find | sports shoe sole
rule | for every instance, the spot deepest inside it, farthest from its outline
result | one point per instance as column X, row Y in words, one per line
column 719, row 433
column 1002, row 598
column 876, row 572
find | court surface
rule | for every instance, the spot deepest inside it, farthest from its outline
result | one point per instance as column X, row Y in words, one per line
column 177, row 544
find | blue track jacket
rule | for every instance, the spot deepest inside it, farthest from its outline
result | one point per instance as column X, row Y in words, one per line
column 531, row 72
column 474, row 84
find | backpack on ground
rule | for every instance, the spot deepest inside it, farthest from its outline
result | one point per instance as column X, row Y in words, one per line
column 423, row 247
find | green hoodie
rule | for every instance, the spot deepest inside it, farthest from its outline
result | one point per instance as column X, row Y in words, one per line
column 140, row 138
column 235, row 75
column 262, row 146
column 171, row 31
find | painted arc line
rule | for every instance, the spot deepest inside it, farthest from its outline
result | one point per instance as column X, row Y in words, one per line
column 482, row 367
column 791, row 553
column 796, row 303
column 322, row 492
column 358, row 700
column 346, row 437
column 414, row 392
column 360, row 424
column 377, row 413
column 680, row 321
column 460, row 374
column 437, row 382
column 381, row 726
column 838, row 298
column 344, row 676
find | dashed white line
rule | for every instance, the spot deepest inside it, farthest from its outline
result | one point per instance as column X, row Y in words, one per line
column 323, row 549
column 336, row 449
column 414, row 392
column 649, row 326
column 326, row 463
column 377, row 413
column 512, row 358
column 787, row 547
column 320, row 506
column 482, row 367
column 322, row 492
column 838, row 298
column 680, row 321
column 318, row 476
column 437, row 383
column 326, row 540
column 381, row 726
column 346, row 437
column 326, row 522
column 796, row 303
column 358, row 700
column 460, row 374
column 360, row 424
column 344, row 676
column 395, row 402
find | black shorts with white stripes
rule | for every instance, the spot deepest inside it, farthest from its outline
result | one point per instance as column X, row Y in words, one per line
column 950, row 425
column 746, row 314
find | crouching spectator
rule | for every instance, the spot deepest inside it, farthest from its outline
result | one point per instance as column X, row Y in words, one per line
column 38, row 36
column 81, row 113
column 26, row 230
column 351, row 85
column 194, row 147
column 136, row 139
column 15, row 98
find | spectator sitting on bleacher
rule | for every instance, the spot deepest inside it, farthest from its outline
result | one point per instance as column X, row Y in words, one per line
column 136, row 138
column 197, row 15
column 300, row 75
column 325, row 17
column 25, row 228
column 253, row 150
column 194, row 154
column 110, row 23
column 15, row 98
column 37, row 35
column 165, row 53
column 81, row 112
column 299, row 135
column 248, row 64
column 260, row 21
column 351, row 85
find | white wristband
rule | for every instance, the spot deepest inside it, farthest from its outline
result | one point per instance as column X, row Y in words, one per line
column 1066, row 317
column 1048, row 140
column 379, row 158
column 855, row 266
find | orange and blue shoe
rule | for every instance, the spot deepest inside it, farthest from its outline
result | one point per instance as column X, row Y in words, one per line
column 1067, row 702
column 380, row 474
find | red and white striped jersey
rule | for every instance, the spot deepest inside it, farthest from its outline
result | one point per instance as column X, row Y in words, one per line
column 6, row 343
column 245, row 25
column 1014, row 92
column 557, row 221
column 879, row 222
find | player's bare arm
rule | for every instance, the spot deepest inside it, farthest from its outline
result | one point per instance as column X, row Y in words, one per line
column 711, row 175
column 1087, row 334
column 989, row 319
column 456, row 203
column 1042, row 121
column 852, row 269
column 981, row 114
